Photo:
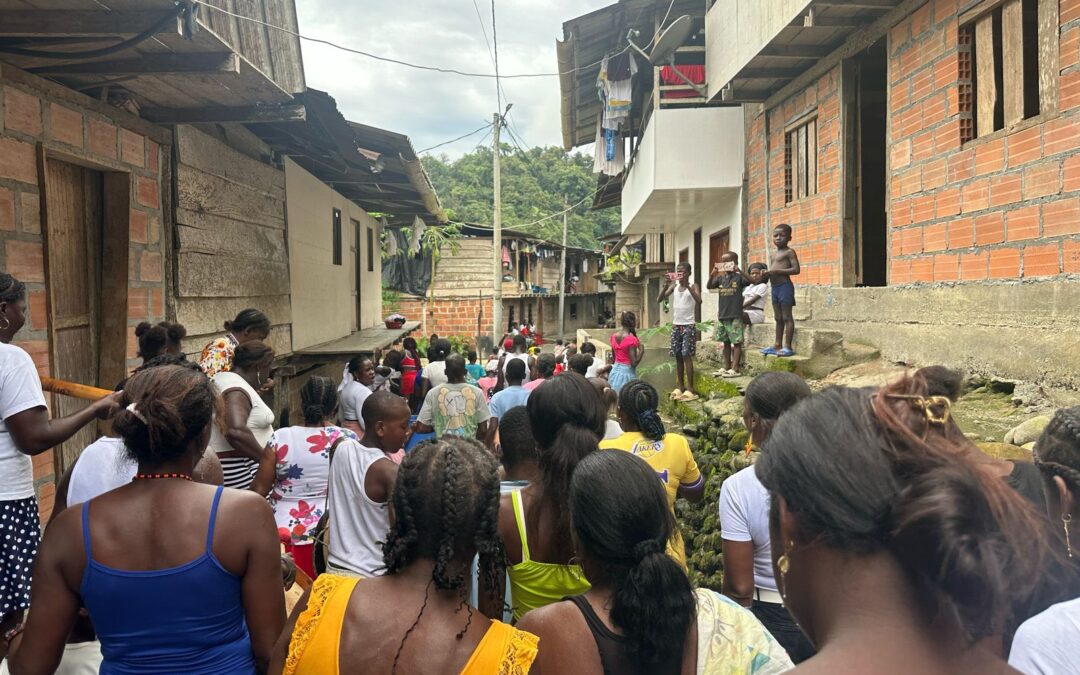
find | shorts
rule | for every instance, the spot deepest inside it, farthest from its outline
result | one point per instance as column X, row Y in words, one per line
column 756, row 316
column 784, row 295
column 730, row 331
column 19, row 536
column 683, row 340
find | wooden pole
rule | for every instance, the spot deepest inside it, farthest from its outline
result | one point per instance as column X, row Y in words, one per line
column 496, row 239
column 73, row 389
column 562, row 274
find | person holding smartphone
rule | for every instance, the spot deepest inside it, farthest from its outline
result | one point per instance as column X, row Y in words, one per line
column 685, row 298
column 729, row 281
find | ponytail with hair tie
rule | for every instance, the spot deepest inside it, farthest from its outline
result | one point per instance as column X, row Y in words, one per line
column 646, row 548
column 651, row 424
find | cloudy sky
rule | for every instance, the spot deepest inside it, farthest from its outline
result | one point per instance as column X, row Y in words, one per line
column 435, row 107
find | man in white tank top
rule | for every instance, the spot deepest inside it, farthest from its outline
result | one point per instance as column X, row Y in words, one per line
column 685, row 298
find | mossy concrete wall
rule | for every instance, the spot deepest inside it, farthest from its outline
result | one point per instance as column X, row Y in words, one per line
column 1019, row 330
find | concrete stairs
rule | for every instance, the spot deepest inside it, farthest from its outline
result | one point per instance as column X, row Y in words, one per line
column 817, row 352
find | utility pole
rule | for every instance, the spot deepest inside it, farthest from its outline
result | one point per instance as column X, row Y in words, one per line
column 562, row 273
column 496, row 239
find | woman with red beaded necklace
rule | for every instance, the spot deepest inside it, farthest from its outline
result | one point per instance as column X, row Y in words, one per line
column 177, row 576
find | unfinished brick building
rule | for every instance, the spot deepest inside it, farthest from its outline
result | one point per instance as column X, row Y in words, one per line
column 925, row 153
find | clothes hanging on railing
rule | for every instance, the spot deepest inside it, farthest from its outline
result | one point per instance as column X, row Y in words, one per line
column 694, row 73
column 614, row 86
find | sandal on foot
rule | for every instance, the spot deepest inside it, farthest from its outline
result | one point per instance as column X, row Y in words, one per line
column 769, row 351
column 688, row 396
column 675, row 394
column 731, row 373
column 785, row 353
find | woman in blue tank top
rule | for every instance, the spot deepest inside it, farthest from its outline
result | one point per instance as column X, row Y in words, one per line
column 178, row 577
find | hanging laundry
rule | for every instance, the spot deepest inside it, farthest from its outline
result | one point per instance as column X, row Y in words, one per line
column 601, row 163
column 614, row 86
column 418, row 228
column 694, row 73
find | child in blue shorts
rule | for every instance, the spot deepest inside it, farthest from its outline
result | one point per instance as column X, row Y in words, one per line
column 783, row 264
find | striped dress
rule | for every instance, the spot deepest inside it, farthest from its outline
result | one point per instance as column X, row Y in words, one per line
column 240, row 471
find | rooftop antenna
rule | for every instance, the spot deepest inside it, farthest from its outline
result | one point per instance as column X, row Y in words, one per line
column 673, row 37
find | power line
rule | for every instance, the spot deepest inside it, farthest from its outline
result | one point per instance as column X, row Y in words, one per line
column 454, row 140
column 386, row 59
column 495, row 43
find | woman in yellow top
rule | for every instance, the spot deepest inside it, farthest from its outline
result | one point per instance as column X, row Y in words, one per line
column 415, row 618
column 668, row 454
column 567, row 418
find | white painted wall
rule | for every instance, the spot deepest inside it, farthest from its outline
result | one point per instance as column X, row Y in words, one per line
column 688, row 160
column 323, row 300
column 736, row 30
column 726, row 216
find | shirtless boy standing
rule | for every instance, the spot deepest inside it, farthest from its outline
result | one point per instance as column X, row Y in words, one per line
column 783, row 264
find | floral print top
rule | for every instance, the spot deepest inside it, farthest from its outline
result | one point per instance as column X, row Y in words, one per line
column 217, row 357
column 303, row 471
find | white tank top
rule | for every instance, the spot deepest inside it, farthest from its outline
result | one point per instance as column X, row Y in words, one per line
column 520, row 357
column 682, row 306
column 103, row 465
column 357, row 524
column 260, row 419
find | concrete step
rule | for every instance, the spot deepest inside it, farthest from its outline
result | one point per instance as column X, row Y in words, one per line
column 808, row 341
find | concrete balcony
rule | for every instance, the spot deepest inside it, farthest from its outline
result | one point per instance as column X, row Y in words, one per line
column 689, row 161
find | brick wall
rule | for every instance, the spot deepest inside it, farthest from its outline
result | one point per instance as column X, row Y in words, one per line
column 454, row 316
column 1005, row 206
column 36, row 113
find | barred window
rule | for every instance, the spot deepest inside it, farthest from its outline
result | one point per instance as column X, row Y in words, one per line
column 800, row 160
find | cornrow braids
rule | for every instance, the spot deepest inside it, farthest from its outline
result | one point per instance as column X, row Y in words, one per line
column 1057, row 451
column 11, row 289
column 639, row 400
column 446, row 504
column 318, row 399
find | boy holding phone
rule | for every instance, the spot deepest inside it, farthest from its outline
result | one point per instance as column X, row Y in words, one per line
column 685, row 298
column 729, row 281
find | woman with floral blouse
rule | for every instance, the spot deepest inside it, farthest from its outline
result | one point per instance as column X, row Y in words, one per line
column 302, row 467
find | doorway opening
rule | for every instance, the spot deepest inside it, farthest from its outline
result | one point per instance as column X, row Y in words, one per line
column 865, row 224
column 85, row 224
column 358, row 281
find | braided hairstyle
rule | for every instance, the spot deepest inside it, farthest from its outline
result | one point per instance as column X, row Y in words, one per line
column 11, row 289
column 622, row 522
column 169, row 407
column 446, row 508
column 1057, row 453
column 639, row 401
column 628, row 320
column 318, row 399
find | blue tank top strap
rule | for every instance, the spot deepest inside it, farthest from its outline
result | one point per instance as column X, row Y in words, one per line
column 213, row 521
column 86, row 528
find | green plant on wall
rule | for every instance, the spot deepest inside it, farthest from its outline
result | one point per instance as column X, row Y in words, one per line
column 621, row 263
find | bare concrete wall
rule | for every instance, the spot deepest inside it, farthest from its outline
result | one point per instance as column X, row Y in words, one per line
column 1021, row 330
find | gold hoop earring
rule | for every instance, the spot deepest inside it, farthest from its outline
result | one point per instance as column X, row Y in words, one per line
column 749, row 447
column 783, row 566
column 7, row 323
column 1066, row 518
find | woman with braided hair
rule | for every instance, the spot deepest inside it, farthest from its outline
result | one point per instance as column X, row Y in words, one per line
column 415, row 618
column 300, row 462
column 1047, row 643
column 668, row 454
column 641, row 616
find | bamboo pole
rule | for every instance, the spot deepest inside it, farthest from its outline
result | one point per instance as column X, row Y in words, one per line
column 73, row 389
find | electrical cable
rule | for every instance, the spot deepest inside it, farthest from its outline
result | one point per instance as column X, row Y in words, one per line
column 103, row 51
column 386, row 59
column 454, row 140
column 495, row 43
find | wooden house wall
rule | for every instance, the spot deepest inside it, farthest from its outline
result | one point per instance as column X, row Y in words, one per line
column 230, row 242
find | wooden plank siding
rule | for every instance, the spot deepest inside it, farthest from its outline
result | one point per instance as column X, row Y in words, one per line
column 231, row 250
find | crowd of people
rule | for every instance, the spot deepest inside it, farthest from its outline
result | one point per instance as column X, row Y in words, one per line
column 517, row 514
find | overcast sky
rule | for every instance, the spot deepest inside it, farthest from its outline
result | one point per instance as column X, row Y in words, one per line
column 434, row 107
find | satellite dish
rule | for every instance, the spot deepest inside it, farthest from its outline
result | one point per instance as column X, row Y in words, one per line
column 673, row 37
column 663, row 54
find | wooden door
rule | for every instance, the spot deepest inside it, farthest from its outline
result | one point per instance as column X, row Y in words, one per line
column 702, row 275
column 719, row 244
column 73, row 232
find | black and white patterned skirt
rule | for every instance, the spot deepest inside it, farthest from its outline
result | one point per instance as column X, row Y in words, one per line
column 20, row 533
